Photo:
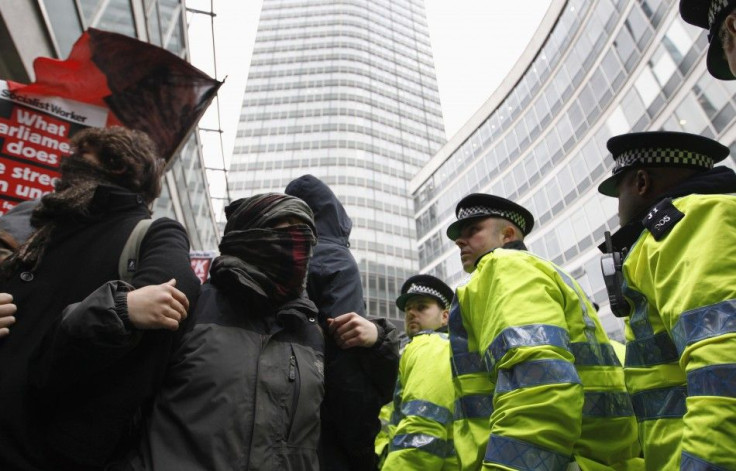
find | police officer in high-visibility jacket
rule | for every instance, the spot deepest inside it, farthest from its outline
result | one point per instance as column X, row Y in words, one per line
column 423, row 402
column 678, row 239
column 719, row 18
column 384, row 435
column 537, row 383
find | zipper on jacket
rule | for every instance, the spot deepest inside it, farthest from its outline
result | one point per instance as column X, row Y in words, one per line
column 294, row 378
column 264, row 341
column 292, row 367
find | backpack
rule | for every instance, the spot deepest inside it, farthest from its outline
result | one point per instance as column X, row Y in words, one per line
column 128, row 262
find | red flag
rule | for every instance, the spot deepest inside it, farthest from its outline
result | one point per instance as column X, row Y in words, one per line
column 146, row 87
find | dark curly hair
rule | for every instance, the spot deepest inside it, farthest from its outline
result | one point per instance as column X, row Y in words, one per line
column 129, row 158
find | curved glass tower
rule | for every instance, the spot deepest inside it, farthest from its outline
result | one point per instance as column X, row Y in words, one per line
column 593, row 70
column 345, row 90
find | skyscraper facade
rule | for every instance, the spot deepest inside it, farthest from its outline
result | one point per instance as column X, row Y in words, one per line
column 593, row 70
column 345, row 90
column 49, row 28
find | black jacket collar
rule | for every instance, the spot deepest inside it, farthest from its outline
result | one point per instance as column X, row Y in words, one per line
column 720, row 180
column 513, row 245
column 109, row 198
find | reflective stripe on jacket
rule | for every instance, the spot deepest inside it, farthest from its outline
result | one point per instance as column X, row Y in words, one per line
column 423, row 402
column 537, row 382
column 681, row 350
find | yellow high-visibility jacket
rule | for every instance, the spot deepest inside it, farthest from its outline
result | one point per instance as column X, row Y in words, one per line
column 681, row 350
column 384, row 435
column 423, row 402
column 537, row 383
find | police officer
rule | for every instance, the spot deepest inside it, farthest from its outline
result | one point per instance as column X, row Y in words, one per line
column 719, row 18
column 537, row 383
column 679, row 227
column 421, row 438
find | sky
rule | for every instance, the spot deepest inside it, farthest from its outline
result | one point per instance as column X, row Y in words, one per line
column 475, row 44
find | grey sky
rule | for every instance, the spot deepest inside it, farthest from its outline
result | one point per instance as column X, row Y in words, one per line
column 475, row 44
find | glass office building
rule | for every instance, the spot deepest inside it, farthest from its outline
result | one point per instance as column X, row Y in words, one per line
column 49, row 28
column 592, row 70
column 345, row 90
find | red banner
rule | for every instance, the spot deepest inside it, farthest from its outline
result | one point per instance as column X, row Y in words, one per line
column 108, row 79
column 201, row 263
column 146, row 87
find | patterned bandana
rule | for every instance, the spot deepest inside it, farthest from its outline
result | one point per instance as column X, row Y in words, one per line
column 272, row 262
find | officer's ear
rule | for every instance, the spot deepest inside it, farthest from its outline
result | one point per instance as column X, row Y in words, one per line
column 510, row 233
column 643, row 182
column 730, row 25
column 445, row 317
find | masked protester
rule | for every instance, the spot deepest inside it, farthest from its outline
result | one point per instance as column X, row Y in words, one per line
column 245, row 386
column 86, row 352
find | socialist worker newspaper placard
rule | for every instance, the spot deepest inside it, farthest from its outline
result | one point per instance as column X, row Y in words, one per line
column 34, row 137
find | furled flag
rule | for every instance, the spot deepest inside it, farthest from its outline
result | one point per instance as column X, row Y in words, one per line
column 108, row 79
column 146, row 87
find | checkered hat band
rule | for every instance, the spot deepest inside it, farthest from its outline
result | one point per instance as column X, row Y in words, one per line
column 419, row 289
column 716, row 7
column 662, row 156
column 512, row 216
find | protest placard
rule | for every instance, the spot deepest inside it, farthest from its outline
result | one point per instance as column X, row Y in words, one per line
column 34, row 137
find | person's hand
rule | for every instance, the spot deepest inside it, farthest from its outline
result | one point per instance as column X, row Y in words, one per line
column 157, row 306
column 352, row 330
column 7, row 309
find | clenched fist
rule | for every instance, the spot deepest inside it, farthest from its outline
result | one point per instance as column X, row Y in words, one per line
column 352, row 330
column 157, row 306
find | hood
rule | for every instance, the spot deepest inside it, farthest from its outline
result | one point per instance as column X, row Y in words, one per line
column 330, row 217
column 719, row 180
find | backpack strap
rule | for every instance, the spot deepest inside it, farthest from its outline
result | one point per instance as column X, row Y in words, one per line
column 128, row 263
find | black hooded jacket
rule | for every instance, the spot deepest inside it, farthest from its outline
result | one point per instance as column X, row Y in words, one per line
column 358, row 380
column 334, row 280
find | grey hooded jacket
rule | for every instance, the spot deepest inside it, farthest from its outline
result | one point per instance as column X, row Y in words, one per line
column 243, row 391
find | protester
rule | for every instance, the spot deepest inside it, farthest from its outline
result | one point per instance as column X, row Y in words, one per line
column 245, row 385
column 80, row 363
column 678, row 217
column 537, row 383
column 361, row 355
column 421, row 438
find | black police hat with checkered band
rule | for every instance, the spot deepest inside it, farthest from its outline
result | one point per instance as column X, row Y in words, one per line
column 709, row 15
column 425, row 285
column 660, row 149
column 481, row 205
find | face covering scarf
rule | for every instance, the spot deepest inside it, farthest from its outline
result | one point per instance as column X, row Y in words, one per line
column 70, row 202
column 255, row 255
column 271, row 262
